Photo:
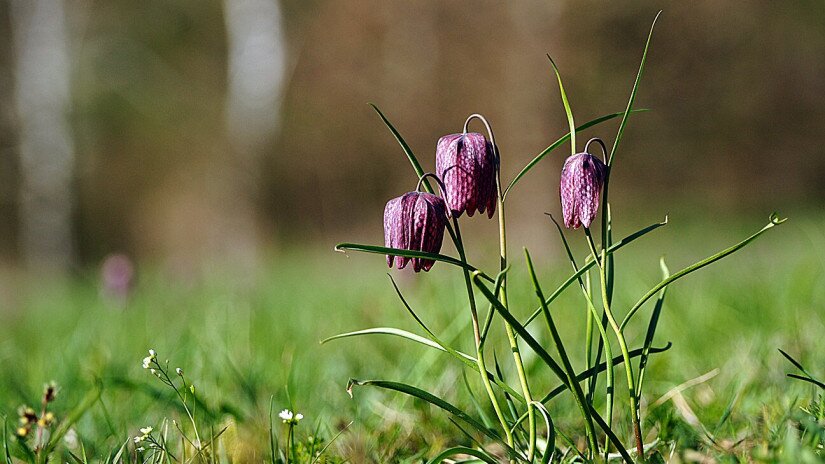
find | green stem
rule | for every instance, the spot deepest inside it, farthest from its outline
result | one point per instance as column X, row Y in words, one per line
column 459, row 243
column 631, row 383
column 522, row 376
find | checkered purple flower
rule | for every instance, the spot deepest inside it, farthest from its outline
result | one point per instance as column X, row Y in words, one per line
column 582, row 178
column 466, row 163
column 414, row 221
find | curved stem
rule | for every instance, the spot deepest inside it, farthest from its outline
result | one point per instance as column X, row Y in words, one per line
column 437, row 181
column 600, row 142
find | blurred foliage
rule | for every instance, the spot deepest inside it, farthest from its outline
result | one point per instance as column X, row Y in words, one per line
column 735, row 90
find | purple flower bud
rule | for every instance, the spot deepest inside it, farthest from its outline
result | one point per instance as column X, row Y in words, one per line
column 582, row 178
column 414, row 221
column 466, row 163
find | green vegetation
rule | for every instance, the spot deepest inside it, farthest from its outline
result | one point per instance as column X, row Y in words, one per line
column 720, row 390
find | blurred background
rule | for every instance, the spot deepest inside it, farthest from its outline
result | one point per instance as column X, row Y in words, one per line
column 191, row 131
column 174, row 175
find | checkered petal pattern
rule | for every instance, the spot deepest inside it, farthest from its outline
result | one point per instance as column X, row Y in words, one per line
column 466, row 163
column 582, row 178
column 414, row 221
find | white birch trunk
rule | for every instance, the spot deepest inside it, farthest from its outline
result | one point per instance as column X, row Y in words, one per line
column 256, row 72
column 42, row 91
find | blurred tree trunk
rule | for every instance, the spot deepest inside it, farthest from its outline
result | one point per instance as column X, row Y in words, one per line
column 8, row 146
column 42, row 79
column 256, row 65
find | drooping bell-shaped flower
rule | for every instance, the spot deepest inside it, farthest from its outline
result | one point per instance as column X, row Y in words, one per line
column 582, row 178
column 414, row 221
column 466, row 163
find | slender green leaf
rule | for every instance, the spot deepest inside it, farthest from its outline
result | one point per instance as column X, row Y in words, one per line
column 466, row 359
column 632, row 98
column 557, row 144
column 651, row 328
column 485, row 419
column 550, row 447
column 407, row 150
column 584, row 375
column 567, row 110
column 774, row 221
column 459, row 450
column 808, row 379
column 578, row 394
column 794, row 362
column 397, row 333
column 435, row 401
column 542, row 353
column 589, row 263
column 344, row 247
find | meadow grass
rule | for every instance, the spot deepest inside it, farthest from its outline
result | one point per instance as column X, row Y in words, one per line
column 720, row 392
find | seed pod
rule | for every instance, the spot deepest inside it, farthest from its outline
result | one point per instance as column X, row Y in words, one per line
column 466, row 163
column 582, row 178
column 414, row 221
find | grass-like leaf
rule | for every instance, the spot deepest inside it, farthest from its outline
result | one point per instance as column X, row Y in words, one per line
column 459, row 450
column 558, row 143
column 774, row 221
column 589, row 373
column 808, row 379
column 589, row 263
column 344, row 247
column 567, row 110
column 407, row 150
column 439, row 403
column 545, row 356
column 578, row 394
column 398, row 333
column 651, row 328
column 466, row 359
column 632, row 98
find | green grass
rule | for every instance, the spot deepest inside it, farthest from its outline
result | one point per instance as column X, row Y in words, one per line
column 242, row 343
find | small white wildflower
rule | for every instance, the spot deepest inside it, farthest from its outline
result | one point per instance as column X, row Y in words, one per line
column 146, row 362
column 285, row 415
column 138, row 439
column 153, row 371
column 146, row 430
column 298, row 417
column 140, row 448
column 179, row 371
column 152, row 354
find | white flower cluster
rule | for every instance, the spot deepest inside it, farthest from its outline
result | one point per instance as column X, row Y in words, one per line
column 289, row 418
column 147, row 361
column 145, row 431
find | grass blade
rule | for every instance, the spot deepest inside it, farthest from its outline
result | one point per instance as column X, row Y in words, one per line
column 632, row 98
column 344, row 247
column 558, row 143
column 458, row 450
column 651, row 328
column 808, row 379
column 567, row 110
column 774, row 221
column 437, row 402
column 578, row 394
column 407, row 150
column 398, row 333
column 794, row 362
column 589, row 263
